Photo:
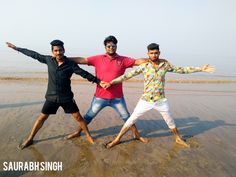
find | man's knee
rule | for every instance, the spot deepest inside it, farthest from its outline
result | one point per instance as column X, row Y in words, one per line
column 169, row 120
column 77, row 116
column 129, row 123
column 125, row 116
column 88, row 119
column 123, row 112
column 43, row 117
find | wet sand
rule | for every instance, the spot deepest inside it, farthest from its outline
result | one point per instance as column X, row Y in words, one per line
column 204, row 113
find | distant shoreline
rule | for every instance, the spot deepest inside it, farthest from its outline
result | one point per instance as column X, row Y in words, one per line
column 190, row 81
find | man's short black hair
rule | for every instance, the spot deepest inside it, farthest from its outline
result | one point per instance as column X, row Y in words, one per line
column 57, row 42
column 153, row 46
column 110, row 39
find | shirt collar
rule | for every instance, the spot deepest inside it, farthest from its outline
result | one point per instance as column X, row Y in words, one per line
column 64, row 58
column 114, row 57
column 159, row 66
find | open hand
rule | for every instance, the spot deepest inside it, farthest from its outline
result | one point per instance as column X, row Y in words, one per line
column 207, row 68
column 10, row 45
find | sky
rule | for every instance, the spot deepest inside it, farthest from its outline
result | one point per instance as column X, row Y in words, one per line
column 189, row 32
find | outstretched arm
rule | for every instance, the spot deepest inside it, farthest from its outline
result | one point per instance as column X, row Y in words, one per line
column 188, row 70
column 140, row 61
column 85, row 74
column 127, row 76
column 79, row 60
column 123, row 77
column 30, row 53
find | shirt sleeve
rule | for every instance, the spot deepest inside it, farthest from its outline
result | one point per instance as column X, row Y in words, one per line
column 128, row 75
column 182, row 70
column 85, row 74
column 33, row 54
column 92, row 60
column 129, row 62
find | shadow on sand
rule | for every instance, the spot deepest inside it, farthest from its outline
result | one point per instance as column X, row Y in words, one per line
column 188, row 127
column 12, row 173
column 15, row 105
column 191, row 126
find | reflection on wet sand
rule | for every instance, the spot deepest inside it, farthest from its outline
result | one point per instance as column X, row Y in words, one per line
column 205, row 119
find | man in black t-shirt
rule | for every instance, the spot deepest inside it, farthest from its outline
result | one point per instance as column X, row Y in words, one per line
column 59, row 93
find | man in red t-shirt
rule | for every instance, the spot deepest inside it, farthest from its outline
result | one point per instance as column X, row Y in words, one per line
column 109, row 66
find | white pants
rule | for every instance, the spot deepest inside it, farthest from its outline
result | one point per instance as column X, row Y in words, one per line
column 143, row 106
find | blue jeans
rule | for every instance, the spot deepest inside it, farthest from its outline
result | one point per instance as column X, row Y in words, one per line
column 99, row 103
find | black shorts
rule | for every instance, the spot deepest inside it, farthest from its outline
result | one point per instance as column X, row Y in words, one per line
column 52, row 107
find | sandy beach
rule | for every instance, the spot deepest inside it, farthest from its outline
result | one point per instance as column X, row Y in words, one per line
column 204, row 113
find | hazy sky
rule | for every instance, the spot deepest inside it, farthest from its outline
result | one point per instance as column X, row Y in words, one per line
column 190, row 32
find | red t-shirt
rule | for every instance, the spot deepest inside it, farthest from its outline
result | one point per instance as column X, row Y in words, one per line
column 107, row 69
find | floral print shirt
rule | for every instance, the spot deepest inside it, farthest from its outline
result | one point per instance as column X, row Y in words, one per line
column 154, row 78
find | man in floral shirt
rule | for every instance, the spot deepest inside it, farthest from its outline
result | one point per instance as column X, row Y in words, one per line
column 153, row 95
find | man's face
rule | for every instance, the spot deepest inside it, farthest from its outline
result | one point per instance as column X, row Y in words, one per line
column 110, row 48
column 153, row 54
column 58, row 52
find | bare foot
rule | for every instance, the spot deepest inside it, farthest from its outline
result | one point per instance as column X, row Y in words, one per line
column 25, row 144
column 111, row 144
column 142, row 139
column 90, row 139
column 73, row 135
column 182, row 142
